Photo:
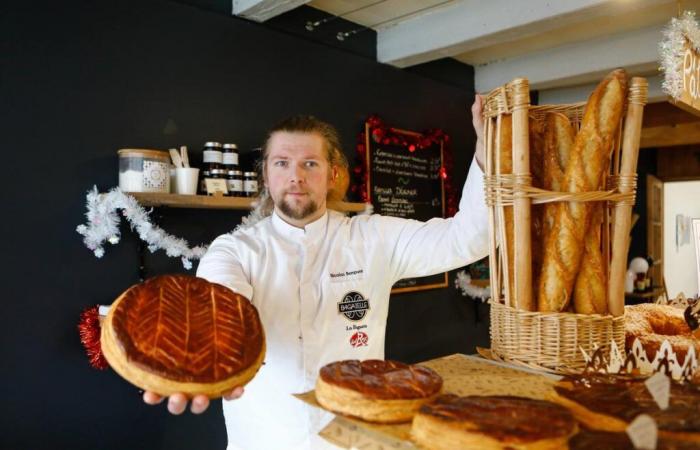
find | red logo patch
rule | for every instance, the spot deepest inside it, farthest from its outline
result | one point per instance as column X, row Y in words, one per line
column 359, row 339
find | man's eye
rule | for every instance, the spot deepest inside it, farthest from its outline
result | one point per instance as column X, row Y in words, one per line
column 280, row 163
column 311, row 164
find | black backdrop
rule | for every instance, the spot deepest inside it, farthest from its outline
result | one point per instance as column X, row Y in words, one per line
column 80, row 79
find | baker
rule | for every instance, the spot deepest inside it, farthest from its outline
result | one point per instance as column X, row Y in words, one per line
column 320, row 280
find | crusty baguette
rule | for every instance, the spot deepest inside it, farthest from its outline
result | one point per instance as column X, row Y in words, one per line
column 505, row 167
column 589, row 159
column 537, row 138
column 559, row 138
column 559, row 141
column 536, row 133
column 590, row 290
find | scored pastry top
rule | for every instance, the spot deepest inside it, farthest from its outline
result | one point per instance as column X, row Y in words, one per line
column 625, row 398
column 187, row 329
column 504, row 417
column 381, row 379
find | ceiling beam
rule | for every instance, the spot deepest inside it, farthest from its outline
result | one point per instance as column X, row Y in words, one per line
column 470, row 24
column 262, row 10
column 670, row 135
column 666, row 114
column 579, row 63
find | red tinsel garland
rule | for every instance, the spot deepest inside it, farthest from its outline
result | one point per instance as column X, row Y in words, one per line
column 381, row 133
column 89, row 329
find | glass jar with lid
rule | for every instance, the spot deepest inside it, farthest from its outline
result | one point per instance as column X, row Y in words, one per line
column 250, row 184
column 212, row 156
column 234, row 182
column 144, row 170
column 230, row 157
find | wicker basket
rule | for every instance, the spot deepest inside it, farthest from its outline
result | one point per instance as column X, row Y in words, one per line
column 553, row 341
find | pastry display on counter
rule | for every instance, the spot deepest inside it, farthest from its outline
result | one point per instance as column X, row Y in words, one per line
column 605, row 440
column 376, row 390
column 493, row 423
column 652, row 324
column 178, row 333
column 692, row 317
column 611, row 403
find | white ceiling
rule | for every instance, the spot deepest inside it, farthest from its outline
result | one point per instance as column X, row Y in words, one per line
column 563, row 47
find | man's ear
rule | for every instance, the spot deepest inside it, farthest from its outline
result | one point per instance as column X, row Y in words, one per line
column 334, row 173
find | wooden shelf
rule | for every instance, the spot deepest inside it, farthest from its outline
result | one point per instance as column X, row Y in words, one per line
column 219, row 202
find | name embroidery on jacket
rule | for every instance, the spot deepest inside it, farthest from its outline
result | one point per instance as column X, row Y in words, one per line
column 347, row 275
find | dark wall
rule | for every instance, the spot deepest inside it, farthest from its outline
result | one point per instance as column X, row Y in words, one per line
column 81, row 79
column 646, row 165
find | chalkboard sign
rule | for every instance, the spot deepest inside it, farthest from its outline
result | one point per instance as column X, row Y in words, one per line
column 404, row 181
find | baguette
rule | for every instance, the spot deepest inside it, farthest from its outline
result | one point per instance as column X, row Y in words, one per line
column 504, row 146
column 590, row 290
column 537, row 143
column 588, row 161
column 558, row 143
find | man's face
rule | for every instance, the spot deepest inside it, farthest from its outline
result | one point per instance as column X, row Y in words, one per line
column 298, row 175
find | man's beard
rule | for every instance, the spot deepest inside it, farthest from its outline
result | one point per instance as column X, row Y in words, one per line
column 297, row 213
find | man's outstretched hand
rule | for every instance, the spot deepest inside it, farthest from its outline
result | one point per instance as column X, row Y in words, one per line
column 177, row 403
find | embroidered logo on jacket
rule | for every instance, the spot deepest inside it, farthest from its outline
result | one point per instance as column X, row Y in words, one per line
column 359, row 339
column 353, row 306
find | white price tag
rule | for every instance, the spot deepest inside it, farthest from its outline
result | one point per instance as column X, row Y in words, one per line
column 659, row 386
column 643, row 432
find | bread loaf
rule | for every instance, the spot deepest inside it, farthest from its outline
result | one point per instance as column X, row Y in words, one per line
column 558, row 143
column 588, row 161
column 537, row 139
column 504, row 147
column 590, row 290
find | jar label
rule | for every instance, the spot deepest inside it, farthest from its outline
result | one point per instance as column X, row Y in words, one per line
column 212, row 156
column 250, row 185
column 231, row 159
column 235, row 185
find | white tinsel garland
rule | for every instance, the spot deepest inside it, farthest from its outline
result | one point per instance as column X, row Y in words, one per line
column 103, row 225
column 463, row 281
column 671, row 51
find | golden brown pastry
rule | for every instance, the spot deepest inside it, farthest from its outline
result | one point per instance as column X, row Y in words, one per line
column 177, row 333
column 610, row 403
column 589, row 160
column 606, row 440
column 375, row 390
column 492, row 422
column 653, row 324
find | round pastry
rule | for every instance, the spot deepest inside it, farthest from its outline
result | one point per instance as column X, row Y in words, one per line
column 376, row 390
column 492, row 422
column 177, row 333
column 606, row 440
column 652, row 324
column 692, row 317
column 610, row 403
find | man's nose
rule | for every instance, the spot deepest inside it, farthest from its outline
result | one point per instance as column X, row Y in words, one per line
column 297, row 174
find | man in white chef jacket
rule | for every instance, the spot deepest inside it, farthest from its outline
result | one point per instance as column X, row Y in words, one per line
column 320, row 280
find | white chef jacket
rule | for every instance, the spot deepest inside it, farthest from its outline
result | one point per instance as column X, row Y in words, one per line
column 323, row 295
